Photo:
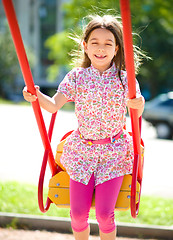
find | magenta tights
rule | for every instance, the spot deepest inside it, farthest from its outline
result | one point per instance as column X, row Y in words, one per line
column 105, row 198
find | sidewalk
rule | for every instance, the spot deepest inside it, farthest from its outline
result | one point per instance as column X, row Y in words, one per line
column 11, row 234
column 63, row 225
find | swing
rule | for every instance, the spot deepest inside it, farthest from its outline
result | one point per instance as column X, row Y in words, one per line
column 59, row 184
column 129, row 196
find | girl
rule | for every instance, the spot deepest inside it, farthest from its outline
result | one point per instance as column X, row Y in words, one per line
column 99, row 153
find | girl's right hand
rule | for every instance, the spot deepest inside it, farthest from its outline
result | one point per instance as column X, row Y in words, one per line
column 28, row 96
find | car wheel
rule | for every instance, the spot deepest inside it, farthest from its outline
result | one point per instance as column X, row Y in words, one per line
column 163, row 130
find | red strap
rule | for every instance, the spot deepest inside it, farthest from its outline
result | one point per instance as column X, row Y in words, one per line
column 130, row 68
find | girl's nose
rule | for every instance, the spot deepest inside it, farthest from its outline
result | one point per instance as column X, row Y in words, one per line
column 101, row 49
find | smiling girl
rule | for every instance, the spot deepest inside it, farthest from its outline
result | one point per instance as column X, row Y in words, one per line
column 100, row 152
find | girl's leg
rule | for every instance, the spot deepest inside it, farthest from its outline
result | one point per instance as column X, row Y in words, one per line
column 84, row 235
column 106, row 195
column 80, row 203
column 108, row 236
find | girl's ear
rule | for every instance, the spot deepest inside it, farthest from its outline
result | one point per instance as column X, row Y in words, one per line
column 116, row 49
column 85, row 46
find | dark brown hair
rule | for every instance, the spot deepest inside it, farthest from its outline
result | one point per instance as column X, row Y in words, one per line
column 114, row 25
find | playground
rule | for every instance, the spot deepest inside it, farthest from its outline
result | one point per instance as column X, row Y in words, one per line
column 134, row 182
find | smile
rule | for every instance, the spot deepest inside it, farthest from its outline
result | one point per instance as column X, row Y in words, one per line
column 100, row 56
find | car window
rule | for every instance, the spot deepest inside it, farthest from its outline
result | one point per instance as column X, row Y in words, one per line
column 168, row 102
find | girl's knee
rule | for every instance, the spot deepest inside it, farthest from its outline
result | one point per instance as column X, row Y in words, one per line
column 104, row 216
column 79, row 220
column 106, row 221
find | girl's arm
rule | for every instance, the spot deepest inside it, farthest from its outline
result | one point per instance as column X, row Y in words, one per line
column 52, row 105
column 137, row 103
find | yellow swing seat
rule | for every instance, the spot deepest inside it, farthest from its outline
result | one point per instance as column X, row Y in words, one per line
column 59, row 186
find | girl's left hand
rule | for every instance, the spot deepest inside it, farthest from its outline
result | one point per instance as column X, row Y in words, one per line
column 137, row 103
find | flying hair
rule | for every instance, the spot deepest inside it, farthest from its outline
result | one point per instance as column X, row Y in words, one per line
column 114, row 25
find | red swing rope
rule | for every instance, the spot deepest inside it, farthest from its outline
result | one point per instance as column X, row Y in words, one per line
column 27, row 75
column 135, row 121
column 43, row 170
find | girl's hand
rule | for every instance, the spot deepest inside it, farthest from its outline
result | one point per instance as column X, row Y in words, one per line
column 28, row 96
column 137, row 103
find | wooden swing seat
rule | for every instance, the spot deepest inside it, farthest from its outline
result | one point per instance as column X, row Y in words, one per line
column 59, row 186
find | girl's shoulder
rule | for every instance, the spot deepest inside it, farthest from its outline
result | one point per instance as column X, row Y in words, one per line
column 77, row 71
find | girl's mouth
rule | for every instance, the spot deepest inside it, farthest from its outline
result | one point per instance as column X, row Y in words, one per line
column 100, row 56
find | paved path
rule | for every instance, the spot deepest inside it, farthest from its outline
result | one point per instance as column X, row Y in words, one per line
column 22, row 151
column 11, row 234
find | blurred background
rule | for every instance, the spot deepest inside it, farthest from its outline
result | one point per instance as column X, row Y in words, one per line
column 45, row 27
column 46, row 24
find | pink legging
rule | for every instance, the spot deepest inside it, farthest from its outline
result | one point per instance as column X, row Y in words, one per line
column 105, row 199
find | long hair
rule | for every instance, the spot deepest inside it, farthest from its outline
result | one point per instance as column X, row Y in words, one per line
column 114, row 25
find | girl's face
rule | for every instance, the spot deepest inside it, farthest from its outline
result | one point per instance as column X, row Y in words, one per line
column 101, row 48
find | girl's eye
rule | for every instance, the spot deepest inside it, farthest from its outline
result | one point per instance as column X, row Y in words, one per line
column 108, row 44
column 94, row 43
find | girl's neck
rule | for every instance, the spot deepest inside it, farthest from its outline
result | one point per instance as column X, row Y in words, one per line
column 102, row 70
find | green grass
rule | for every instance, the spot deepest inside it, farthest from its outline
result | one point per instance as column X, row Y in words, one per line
column 9, row 102
column 22, row 198
column 4, row 101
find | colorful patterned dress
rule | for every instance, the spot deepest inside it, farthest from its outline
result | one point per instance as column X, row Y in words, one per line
column 100, row 107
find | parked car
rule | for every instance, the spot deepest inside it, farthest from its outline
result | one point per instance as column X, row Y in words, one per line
column 159, row 112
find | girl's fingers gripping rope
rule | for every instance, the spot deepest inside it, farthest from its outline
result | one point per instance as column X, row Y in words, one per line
column 28, row 96
column 136, row 103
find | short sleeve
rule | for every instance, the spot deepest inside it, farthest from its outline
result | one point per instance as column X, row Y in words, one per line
column 138, row 91
column 125, row 85
column 68, row 86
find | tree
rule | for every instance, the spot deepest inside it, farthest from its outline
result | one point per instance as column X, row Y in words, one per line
column 152, row 19
column 60, row 46
column 157, row 39
column 9, row 66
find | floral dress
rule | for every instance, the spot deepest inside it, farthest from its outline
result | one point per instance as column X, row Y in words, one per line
column 100, row 107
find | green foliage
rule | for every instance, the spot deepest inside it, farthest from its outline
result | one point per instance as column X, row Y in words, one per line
column 84, row 8
column 151, row 19
column 60, row 45
column 9, row 66
column 155, row 24
column 22, row 198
